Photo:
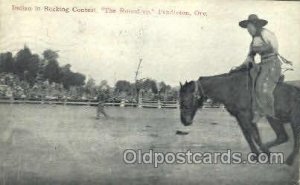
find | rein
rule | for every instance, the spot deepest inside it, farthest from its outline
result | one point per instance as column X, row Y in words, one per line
column 198, row 86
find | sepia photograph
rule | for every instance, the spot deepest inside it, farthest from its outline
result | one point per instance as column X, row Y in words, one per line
column 149, row 92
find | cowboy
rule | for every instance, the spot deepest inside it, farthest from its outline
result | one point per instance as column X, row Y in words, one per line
column 264, row 43
column 100, row 107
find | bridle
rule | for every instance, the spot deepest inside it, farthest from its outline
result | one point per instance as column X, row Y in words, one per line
column 198, row 86
column 198, row 95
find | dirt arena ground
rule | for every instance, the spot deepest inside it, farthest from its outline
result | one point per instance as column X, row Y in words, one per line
column 57, row 145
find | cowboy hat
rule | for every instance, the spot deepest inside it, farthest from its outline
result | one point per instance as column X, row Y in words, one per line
column 253, row 19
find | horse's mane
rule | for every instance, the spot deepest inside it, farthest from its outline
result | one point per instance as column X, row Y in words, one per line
column 232, row 73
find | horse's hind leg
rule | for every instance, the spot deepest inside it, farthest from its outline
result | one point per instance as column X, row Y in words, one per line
column 295, row 123
column 281, row 135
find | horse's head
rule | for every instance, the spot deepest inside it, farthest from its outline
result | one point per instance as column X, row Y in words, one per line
column 190, row 100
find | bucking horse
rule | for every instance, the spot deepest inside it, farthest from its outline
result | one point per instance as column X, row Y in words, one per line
column 233, row 90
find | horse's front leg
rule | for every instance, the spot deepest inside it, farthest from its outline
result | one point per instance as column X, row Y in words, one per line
column 257, row 138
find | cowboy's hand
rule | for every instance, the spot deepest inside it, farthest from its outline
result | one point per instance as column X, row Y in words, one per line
column 248, row 60
column 289, row 62
column 237, row 68
column 233, row 69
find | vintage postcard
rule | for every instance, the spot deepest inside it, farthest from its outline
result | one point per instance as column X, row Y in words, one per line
column 149, row 92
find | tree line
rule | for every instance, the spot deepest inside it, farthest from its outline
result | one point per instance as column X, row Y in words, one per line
column 32, row 68
column 35, row 70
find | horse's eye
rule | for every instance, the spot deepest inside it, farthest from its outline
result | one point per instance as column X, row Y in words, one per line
column 183, row 106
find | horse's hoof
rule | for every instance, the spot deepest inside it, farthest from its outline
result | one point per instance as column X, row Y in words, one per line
column 289, row 161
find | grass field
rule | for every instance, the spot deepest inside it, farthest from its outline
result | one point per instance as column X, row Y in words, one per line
column 47, row 144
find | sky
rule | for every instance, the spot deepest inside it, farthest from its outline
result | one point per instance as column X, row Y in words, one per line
column 108, row 46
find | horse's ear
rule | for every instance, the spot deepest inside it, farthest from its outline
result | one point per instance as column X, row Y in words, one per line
column 180, row 84
column 186, row 82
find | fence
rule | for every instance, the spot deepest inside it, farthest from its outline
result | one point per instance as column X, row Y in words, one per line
column 152, row 104
column 123, row 103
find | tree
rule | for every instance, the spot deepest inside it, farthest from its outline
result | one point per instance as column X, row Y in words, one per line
column 163, row 87
column 123, row 86
column 90, row 87
column 52, row 72
column 78, row 79
column 26, row 65
column 66, row 75
column 32, row 68
column 50, row 54
column 150, row 85
column 6, row 62
column 104, row 84
column 69, row 78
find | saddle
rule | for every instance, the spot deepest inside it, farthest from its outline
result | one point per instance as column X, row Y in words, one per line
column 254, row 70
